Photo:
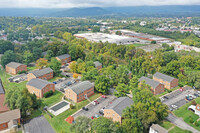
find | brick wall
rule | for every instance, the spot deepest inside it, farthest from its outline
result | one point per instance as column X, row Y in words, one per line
column 167, row 85
column 109, row 113
column 69, row 94
column 45, row 76
column 4, row 126
column 64, row 61
column 159, row 89
column 16, row 70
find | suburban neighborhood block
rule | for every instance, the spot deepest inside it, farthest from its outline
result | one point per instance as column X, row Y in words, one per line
column 168, row 81
column 156, row 87
column 46, row 74
column 115, row 110
column 39, row 87
column 66, row 58
column 14, row 67
column 77, row 92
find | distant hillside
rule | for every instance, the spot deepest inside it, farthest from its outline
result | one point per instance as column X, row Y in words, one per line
column 81, row 12
column 134, row 11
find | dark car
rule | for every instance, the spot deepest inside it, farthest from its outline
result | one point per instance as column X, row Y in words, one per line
column 69, row 83
column 197, row 95
column 166, row 97
column 85, row 108
column 96, row 102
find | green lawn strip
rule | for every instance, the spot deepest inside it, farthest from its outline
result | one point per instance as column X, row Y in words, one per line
column 167, row 125
column 35, row 113
column 55, row 98
column 187, row 115
column 31, row 68
column 54, row 79
column 176, row 130
column 58, row 122
column 139, row 45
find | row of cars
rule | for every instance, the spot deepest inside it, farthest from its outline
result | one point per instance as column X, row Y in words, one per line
column 192, row 96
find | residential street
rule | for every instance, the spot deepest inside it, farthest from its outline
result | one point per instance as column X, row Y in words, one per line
column 180, row 123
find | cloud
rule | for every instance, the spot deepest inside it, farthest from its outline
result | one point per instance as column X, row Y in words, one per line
column 90, row 3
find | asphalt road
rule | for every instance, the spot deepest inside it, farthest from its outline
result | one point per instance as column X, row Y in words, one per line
column 38, row 125
column 94, row 109
column 180, row 123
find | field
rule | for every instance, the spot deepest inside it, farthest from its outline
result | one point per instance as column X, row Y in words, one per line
column 188, row 116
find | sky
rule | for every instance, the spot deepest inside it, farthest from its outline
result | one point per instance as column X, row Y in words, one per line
column 90, row 3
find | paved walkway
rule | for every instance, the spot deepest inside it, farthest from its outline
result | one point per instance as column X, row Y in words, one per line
column 180, row 123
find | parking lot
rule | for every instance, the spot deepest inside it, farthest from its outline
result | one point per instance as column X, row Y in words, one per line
column 18, row 78
column 94, row 109
column 177, row 98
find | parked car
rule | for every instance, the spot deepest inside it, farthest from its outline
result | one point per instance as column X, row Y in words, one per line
column 92, row 117
column 174, row 106
column 162, row 99
column 196, row 94
column 165, row 97
column 193, row 96
column 69, row 83
column 63, row 85
column 103, row 96
column 188, row 98
column 85, row 108
column 101, row 111
column 73, row 81
column 96, row 102
column 54, row 82
column 96, row 116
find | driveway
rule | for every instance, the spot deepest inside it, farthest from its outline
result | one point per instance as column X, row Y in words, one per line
column 38, row 125
column 94, row 109
column 180, row 123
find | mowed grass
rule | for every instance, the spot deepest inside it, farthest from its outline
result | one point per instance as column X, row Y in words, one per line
column 55, row 98
column 177, row 130
column 187, row 115
column 167, row 125
column 139, row 45
column 58, row 122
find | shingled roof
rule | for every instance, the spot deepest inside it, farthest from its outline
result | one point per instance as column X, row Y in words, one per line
column 81, row 87
column 149, row 81
column 1, row 88
column 158, row 128
column 13, row 64
column 42, row 72
column 10, row 115
column 97, row 63
column 64, row 56
column 120, row 104
column 163, row 77
column 38, row 83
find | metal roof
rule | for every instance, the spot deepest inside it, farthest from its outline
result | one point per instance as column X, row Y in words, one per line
column 149, row 81
column 1, row 88
column 10, row 115
column 120, row 104
column 64, row 56
column 13, row 64
column 38, row 83
column 81, row 87
column 97, row 63
column 158, row 128
column 163, row 77
column 42, row 72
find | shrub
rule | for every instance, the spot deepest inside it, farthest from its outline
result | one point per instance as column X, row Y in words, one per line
column 48, row 94
column 71, row 106
column 20, row 72
column 191, row 120
column 194, row 102
column 75, row 75
column 169, row 91
column 180, row 84
column 196, row 123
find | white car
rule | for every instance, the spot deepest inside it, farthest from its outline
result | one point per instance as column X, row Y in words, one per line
column 174, row 106
column 162, row 99
column 193, row 96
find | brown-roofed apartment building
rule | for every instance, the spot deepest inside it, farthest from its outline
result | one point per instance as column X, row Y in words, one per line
column 98, row 65
column 168, row 81
column 14, row 67
column 3, row 108
column 156, row 87
column 115, row 109
column 10, row 119
column 46, row 74
column 77, row 92
column 64, row 59
column 39, row 87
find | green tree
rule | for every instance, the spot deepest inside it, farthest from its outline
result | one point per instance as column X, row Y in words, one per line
column 49, row 55
column 102, row 84
column 55, row 65
column 37, row 53
column 28, row 57
column 8, row 57
column 82, row 125
column 96, row 29
column 90, row 75
column 73, row 66
column 121, row 90
column 5, row 46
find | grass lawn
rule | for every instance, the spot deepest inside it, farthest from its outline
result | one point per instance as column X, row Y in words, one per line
column 54, row 79
column 176, row 130
column 55, row 98
column 58, row 122
column 31, row 68
column 139, row 45
column 187, row 115
column 167, row 125
column 4, row 77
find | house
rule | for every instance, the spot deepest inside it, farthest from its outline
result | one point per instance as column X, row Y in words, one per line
column 168, row 81
column 156, row 87
column 14, row 67
column 3, row 108
column 115, row 109
column 98, row 65
column 66, row 58
column 46, row 74
column 39, row 87
column 79, row 91
column 10, row 119
column 195, row 109
column 155, row 128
